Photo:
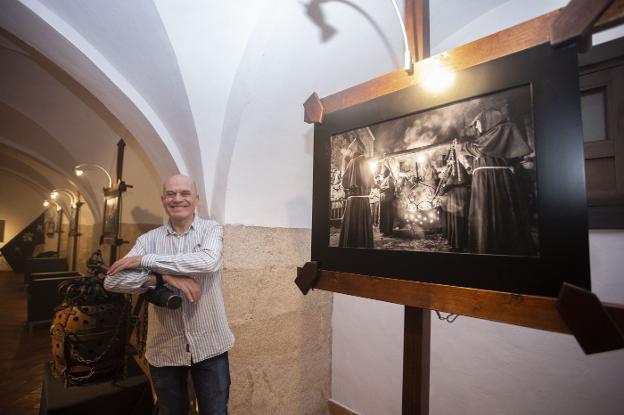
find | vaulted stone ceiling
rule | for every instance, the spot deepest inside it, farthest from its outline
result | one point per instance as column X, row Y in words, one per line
column 204, row 88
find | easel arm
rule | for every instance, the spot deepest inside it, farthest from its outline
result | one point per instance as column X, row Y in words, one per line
column 522, row 310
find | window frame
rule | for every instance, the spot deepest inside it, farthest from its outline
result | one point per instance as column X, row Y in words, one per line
column 602, row 67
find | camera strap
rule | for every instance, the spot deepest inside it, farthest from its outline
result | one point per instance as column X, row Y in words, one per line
column 159, row 279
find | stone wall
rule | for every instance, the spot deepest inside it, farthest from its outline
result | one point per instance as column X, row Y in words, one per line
column 281, row 362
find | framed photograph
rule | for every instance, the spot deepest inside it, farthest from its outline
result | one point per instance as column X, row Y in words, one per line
column 110, row 226
column 479, row 186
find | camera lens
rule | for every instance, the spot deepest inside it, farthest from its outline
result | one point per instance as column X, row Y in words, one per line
column 163, row 297
column 174, row 301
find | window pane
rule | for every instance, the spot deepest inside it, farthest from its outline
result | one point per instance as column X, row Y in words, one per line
column 593, row 113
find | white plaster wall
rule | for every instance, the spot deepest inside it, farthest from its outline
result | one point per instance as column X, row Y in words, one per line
column 267, row 179
column 141, row 203
column 505, row 14
column 246, row 92
column 481, row 367
column 607, row 35
column 256, row 151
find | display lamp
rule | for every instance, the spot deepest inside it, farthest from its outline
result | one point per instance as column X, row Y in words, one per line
column 408, row 64
column 54, row 194
column 79, row 169
column 46, row 203
column 436, row 78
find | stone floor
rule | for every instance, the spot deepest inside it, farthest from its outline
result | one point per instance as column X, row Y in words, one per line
column 22, row 354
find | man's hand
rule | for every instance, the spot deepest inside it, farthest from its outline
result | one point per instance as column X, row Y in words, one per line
column 191, row 290
column 129, row 262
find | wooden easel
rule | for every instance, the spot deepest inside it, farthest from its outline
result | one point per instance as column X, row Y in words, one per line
column 597, row 326
column 118, row 188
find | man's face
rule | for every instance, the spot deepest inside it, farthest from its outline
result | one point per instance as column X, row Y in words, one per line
column 179, row 198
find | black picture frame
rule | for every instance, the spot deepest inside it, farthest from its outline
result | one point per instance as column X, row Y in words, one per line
column 110, row 224
column 563, row 241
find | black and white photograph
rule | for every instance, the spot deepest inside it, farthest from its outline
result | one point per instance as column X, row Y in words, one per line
column 459, row 178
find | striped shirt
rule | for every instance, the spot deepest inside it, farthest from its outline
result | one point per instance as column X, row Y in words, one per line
column 195, row 331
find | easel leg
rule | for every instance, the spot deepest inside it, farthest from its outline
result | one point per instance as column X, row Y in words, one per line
column 416, row 359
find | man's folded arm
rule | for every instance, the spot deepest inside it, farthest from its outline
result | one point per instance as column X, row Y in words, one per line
column 208, row 258
column 130, row 281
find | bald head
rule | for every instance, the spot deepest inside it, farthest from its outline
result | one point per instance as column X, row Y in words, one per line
column 179, row 179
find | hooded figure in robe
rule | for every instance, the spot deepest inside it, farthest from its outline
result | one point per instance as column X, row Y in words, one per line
column 357, row 223
column 498, row 218
column 456, row 187
column 386, row 208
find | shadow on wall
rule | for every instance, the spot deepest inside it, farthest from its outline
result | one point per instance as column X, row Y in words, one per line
column 145, row 220
column 315, row 13
column 241, row 94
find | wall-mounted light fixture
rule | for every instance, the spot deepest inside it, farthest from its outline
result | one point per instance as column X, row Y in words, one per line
column 72, row 197
column 46, row 203
column 79, row 169
column 74, row 218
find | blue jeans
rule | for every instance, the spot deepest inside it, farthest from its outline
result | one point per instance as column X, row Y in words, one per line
column 211, row 380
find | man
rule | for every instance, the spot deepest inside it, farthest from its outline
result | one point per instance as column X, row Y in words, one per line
column 187, row 252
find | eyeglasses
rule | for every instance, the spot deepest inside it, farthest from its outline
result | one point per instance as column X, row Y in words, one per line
column 185, row 194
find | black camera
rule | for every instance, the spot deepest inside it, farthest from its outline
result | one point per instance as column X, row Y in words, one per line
column 162, row 296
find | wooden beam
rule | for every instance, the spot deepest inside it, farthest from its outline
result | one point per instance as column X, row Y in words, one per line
column 521, row 310
column 416, row 361
column 576, row 20
column 514, row 39
column 613, row 16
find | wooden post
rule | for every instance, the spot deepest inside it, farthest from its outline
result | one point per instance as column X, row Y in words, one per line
column 416, row 358
column 76, row 234
column 59, row 231
column 114, row 248
column 417, row 321
column 417, row 28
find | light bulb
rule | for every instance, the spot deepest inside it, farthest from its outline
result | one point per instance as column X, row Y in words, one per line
column 436, row 77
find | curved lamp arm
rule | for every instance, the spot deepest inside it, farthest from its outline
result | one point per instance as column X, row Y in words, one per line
column 79, row 170
column 55, row 192
column 407, row 57
column 46, row 203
